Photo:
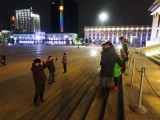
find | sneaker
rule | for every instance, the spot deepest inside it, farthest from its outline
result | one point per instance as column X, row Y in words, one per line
column 36, row 104
column 42, row 100
column 115, row 88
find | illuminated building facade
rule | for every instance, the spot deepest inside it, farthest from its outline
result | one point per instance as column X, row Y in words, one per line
column 42, row 38
column 61, row 38
column 64, row 16
column 155, row 35
column 27, row 21
column 137, row 35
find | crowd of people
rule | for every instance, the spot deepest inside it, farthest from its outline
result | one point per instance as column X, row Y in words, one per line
column 40, row 77
column 113, row 64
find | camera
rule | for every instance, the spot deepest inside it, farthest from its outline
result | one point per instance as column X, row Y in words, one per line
column 55, row 59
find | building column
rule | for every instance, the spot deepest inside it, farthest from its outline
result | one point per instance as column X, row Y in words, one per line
column 158, row 31
column 154, row 27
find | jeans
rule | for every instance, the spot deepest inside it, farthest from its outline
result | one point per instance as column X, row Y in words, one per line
column 65, row 67
column 51, row 77
column 39, row 91
column 106, row 82
column 117, row 80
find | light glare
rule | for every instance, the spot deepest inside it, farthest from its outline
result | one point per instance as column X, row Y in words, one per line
column 103, row 16
column 93, row 53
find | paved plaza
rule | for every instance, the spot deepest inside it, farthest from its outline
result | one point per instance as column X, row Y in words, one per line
column 74, row 95
column 17, row 87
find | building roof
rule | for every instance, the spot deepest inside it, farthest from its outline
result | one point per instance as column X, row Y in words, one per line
column 5, row 31
column 155, row 5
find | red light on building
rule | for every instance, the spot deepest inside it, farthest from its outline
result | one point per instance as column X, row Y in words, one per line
column 13, row 19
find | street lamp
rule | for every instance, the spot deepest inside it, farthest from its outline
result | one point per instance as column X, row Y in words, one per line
column 103, row 16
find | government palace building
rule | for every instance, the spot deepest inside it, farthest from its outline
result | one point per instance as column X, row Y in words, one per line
column 136, row 35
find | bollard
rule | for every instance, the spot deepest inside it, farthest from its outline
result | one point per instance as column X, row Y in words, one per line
column 129, row 66
column 138, row 107
column 132, row 84
column 128, row 62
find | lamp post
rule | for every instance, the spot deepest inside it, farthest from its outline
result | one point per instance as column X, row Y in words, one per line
column 103, row 16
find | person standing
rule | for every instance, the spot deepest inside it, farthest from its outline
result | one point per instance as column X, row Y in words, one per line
column 124, row 51
column 64, row 62
column 3, row 60
column 51, row 68
column 39, row 78
column 108, row 59
column 117, row 76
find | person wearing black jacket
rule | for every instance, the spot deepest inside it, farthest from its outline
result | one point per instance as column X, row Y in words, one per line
column 39, row 78
column 51, row 68
column 108, row 59
column 64, row 62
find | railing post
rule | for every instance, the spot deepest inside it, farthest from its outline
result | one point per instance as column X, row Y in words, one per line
column 138, row 107
column 129, row 65
column 132, row 76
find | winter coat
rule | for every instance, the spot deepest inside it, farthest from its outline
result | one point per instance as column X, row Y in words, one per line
column 124, row 51
column 39, row 75
column 51, row 66
column 64, row 59
column 108, row 59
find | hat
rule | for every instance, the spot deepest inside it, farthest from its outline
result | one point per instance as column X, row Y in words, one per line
column 103, row 44
column 49, row 57
column 37, row 60
column 121, row 38
column 108, row 43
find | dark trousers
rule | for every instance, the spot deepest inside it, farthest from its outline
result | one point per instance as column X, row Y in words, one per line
column 51, row 77
column 117, row 80
column 124, row 68
column 3, row 63
column 65, row 67
column 105, row 84
column 39, row 91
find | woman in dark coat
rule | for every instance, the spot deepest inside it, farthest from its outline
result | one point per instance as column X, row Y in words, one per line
column 39, row 78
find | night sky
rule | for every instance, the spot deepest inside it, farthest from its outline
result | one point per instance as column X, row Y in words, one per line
column 120, row 12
